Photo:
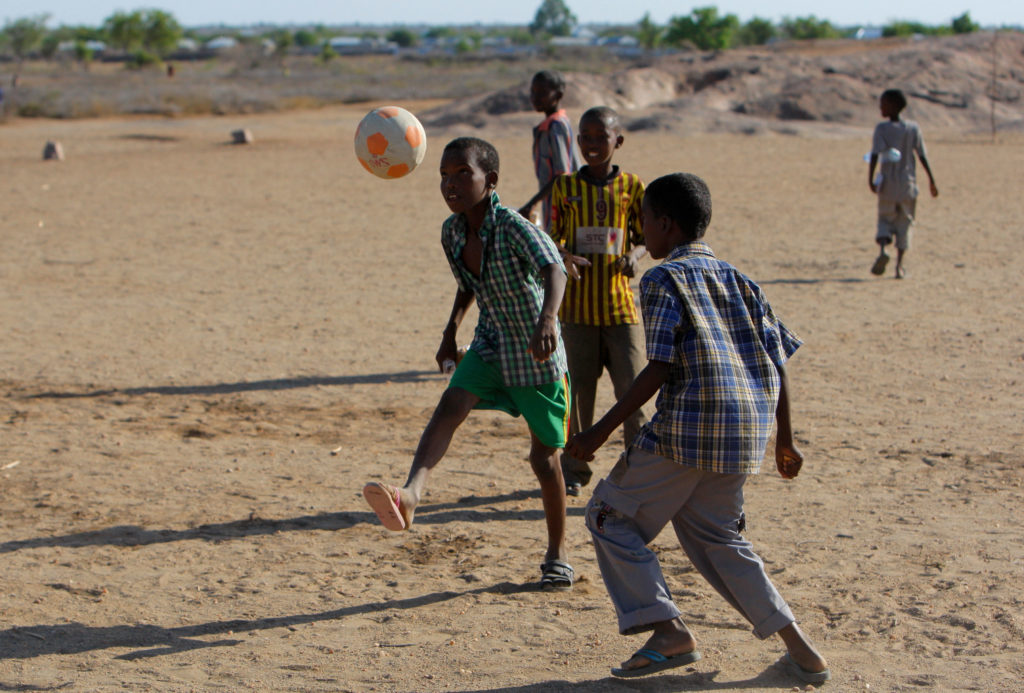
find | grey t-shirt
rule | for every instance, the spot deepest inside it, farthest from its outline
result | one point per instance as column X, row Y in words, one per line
column 899, row 178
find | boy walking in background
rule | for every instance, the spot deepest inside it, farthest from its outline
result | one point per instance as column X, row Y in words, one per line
column 554, row 146
column 896, row 142
column 716, row 355
column 595, row 220
column 516, row 362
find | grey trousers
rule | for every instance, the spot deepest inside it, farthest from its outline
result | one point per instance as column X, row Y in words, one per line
column 589, row 350
column 643, row 493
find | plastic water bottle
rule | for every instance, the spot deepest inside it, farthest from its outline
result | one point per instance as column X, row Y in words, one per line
column 448, row 365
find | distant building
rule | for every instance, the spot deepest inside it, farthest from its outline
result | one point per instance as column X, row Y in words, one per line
column 866, row 33
column 355, row 45
column 96, row 47
column 221, row 43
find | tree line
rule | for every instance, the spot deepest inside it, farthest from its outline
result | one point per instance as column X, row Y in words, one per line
column 148, row 36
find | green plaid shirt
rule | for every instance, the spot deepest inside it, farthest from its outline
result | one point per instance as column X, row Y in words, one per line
column 509, row 291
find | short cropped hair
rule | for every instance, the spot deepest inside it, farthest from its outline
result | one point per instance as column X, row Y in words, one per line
column 685, row 199
column 896, row 97
column 553, row 79
column 482, row 151
column 606, row 115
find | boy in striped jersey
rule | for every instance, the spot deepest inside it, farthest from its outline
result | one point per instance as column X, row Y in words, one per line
column 596, row 222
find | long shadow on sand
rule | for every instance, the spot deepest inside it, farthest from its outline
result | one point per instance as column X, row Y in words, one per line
column 433, row 514
column 836, row 280
column 25, row 642
column 696, row 681
column 145, row 641
column 251, row 386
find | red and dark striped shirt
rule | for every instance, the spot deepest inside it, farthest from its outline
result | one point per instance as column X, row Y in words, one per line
column 601, row 221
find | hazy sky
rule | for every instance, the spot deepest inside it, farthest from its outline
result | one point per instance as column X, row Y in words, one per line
column 197, row 12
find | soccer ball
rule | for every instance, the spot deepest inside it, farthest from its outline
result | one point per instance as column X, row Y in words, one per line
column 390, row 142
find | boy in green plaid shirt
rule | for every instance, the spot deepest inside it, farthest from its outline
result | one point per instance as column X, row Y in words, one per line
column 516, row 362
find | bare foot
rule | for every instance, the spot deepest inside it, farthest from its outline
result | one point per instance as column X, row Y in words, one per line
column 900, row 272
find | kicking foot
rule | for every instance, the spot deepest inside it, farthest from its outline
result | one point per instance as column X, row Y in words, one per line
column 556, row 575
column 880, row 262
column 805, row 675
column 386, row 501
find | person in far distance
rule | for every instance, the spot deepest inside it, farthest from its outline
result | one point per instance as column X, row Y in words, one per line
column 554, row 145
column 895, row 143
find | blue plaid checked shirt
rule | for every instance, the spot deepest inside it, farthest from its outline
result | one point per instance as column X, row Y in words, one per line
column 509, row 291
column 713, row 325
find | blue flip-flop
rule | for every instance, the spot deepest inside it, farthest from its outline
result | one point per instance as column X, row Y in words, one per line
column 794, row 669
column 659, row 662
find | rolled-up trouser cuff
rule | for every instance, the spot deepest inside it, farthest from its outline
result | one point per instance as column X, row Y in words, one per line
column 774, row 623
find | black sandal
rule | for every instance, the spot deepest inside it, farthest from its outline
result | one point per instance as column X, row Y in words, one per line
column 556, row 575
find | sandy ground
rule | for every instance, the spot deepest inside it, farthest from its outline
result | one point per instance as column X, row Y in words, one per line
column 207, row 351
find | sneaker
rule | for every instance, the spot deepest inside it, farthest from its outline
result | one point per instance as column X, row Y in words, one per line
column 573, row 488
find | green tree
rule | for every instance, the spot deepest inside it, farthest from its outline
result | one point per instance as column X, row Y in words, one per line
column 125, row 30
column 756, row 32
column 25, row 34
column 703, row 28
column 903, row 28
column 648, row 33
column 963, row 24
column 327, row 53
column 439, row 32
column 402, row 37
column 809, row 27
column 304, row 38
column 83, row 53
column 283, row 40
column 519, row 36
column 553, row 18
column 49, row 45
column 161, row 32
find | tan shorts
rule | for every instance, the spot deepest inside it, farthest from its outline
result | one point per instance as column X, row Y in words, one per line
column 895, row 219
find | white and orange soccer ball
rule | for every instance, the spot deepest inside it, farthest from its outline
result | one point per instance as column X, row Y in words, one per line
column 390, row 142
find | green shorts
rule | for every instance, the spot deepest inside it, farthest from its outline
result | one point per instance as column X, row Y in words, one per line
column 545, row 407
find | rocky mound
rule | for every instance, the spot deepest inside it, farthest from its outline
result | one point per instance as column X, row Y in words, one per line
column 953, row 83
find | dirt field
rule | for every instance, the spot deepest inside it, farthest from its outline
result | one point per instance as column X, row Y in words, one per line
column 209, row 349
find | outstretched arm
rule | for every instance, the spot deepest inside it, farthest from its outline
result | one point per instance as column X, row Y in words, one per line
column 545, row 336
column 545, row 190
column 448, row 349
column 788, row 458
column 583, row 445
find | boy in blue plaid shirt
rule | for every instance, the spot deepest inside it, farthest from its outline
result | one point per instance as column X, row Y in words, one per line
column 716, row 355
column 516, row 362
